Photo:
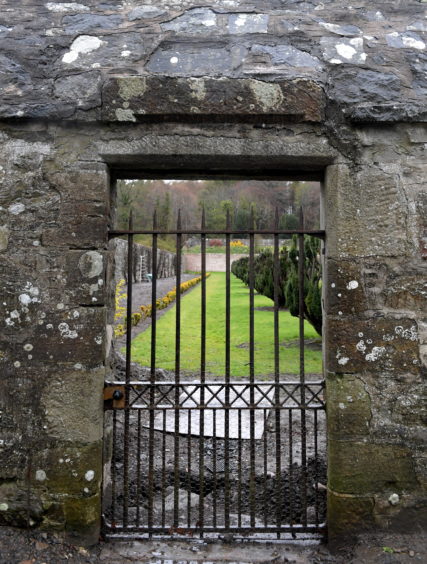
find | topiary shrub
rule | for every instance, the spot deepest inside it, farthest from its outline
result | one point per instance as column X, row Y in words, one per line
column 240, row 269
column 312, row 281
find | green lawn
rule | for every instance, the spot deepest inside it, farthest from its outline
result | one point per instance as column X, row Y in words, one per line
column 215, row 353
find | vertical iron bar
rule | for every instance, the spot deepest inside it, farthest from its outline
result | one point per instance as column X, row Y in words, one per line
column 252, row 368
column 291, row 461
column 113, row 470
column 239, row 469
column 301, row 280
column 277, row 412
column 202, row 381
column 177, row 369
column 189, row 412
column 214, row 447
column 128, row 363
column 164, row 468
column 265, row 467
column 227, row 377
column 152, row 374
column 316, row 471
column 138, row 471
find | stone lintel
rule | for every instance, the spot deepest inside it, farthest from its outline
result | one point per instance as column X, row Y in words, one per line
column 131, row 99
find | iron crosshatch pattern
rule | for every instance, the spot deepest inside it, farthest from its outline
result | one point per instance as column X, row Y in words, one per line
column 194, row 458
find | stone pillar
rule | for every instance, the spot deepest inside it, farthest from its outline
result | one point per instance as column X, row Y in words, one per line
column 374, row 299
column 53, row 343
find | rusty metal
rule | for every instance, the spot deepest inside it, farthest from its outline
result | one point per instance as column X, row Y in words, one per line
column 114, row 397
column 217, row 482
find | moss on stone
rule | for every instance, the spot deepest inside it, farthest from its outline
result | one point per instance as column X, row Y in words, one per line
column 348, row 406
column 364, row 468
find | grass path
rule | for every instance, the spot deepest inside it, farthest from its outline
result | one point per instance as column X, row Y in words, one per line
column 215, row 342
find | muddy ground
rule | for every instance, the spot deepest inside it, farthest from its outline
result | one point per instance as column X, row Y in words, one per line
column 32, row 547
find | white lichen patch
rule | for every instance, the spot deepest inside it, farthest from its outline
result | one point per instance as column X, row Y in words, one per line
column 361, row 347
column 28, row 347
column 408, row 40
column 41, row 475
column 269, row 96
column 408, row 334
column 352, row 285
column 346, row 51
column 66, row 7
column 98, row 340
column 66, row 332
column 4, row 507
column 125, row 115
column 16, row 209
column 125, row 53
column 16, row 364
column 342, row 360
column 24, row 299
column 375, row 354
column 82, row 45
column 198, row 88
column 89, row 476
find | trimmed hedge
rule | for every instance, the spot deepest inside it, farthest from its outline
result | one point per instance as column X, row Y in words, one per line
column 288, row 278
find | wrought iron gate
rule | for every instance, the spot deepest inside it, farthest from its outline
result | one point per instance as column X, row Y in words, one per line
column 210, row 457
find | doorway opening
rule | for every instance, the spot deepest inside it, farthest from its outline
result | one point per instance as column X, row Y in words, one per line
column 216, row 397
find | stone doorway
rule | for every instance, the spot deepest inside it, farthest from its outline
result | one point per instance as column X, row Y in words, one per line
column 215, row 456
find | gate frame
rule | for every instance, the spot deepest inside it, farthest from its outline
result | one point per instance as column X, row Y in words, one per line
column 117, row 392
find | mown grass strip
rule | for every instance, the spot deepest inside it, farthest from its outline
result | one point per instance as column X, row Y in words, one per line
column 215, row 346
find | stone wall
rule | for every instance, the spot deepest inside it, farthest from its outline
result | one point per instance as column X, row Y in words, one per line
column 91, row 92
column 166, row 261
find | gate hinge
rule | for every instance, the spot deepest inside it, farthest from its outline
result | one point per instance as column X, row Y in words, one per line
column 114, row 397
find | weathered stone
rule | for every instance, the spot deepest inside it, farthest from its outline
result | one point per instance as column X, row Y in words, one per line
column 73, row 405
column 248, row 23
column 286, row 54
column 238, row 109
column 193, row 60
column 349, row 515
column 87, row 23
column 192, row 22
column 145, row 12
column 67, row 467
column 82, row 519
column 344, row 30
column 141, row 97
column 83, row 87
column 372, row 344
column 405, row 40
column 15, row 507
column 388, row 113
column 4, row 237
column 363, row 468
column 343, row 50
column 349, row 406
column 365, row 85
